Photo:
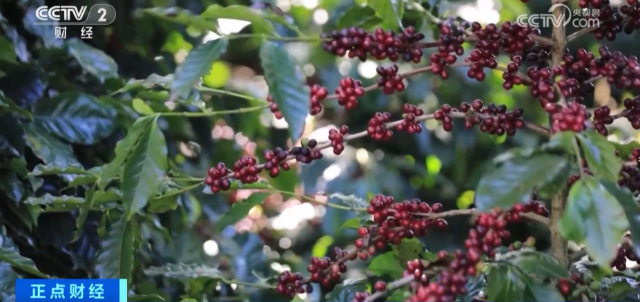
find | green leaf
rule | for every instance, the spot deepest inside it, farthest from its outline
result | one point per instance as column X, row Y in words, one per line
column 239, row 12
column 144, row 170
column 539, row 264
column 151, row 82
column 600, row 156
column 7, row 105
column 386, row 263
column 347, row 290
column 630, row 207
column 46, row 146
column 390, row 11
column 235, row 185
column 143, row 298
column 59, row 167
column 183, row 271
column 11, row 185
column 626, row 149
column 115, row 256
column 164, row 203
column 11, row 256
column 197, row 64
column 408, row 249
column 141, row 107
column 618, row 290
column 286, row 86
column 515, row 179
column 593, row 218
column 76, row 117
column 352, row 201
column 239, row 210
column 561, row 141
column 353, row 223
column 354, row 16
column 124, row 148
column 55, row 202
column 545, row 292
column 84, row 212
column 7, row 281
column 504, row 284
column 92, row 60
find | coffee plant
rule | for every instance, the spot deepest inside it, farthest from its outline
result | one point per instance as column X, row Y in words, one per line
column 140, row 154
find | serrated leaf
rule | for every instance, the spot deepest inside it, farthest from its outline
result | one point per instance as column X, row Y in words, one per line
column 515, row 179
column 600, row 156
column 115, row 256
column 354, row 16
column 196, row 65
column 144, row 170
column 630, row 207
column 11, row 185
column 239, row 12
column 183, row 271
column 347, row 290
column 76, row 117
column 353, row 223
column 124, row 148
column 286, row 86
column 592, row 217
column 151, row 82
column 14, row 258
column 539, row 264
column 390, row 11
column 92, row 60
column 386, row 263
column 239, row 210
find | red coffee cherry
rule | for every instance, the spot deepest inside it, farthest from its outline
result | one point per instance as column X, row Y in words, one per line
column 377, row 128
column 409, row 122
column 216, row 178
column 390, row 80
column 348, row 92
column 337, row 139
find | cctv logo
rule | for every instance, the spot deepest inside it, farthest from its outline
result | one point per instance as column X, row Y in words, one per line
column 55, row 13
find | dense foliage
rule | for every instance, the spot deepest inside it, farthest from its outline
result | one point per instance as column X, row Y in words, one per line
column 480, row 162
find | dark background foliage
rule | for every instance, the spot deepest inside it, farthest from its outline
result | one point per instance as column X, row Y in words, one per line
column 69, row 87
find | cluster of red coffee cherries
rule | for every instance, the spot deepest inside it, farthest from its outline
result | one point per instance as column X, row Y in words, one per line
column 499, row 120
column 625, row 252
column 275, row 160
column 449, row 45
column 488, row 234
column 377, row 129
column 533, row 206
column 390, row 80
column 443, row 115
column 290, row 284
column 570, row 118
column 593, row 3
column 409, row 122
column 357, row 43
column 245, row 170
column 348, row 92
column 633, row 111
column 217, row 178
column 602, row 117
column 336, row 136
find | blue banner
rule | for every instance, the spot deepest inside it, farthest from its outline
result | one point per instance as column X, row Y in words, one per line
column 77, row 290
